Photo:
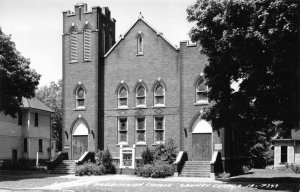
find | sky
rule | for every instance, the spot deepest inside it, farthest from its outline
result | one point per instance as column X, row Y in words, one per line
column 36, row 26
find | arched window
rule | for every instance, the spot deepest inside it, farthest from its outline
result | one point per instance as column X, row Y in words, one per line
column 159, row 94
column 122, row 97
column 123, row 128
column 73, row 44
column 139, row 44
column 140, row 95
column 80, row 98
column 86, row 43
column 201, row 92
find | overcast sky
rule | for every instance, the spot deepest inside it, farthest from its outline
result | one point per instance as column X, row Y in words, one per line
column 36, row 26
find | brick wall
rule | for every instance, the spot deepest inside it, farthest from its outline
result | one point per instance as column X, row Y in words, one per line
column 160, row 60
column 85, row 72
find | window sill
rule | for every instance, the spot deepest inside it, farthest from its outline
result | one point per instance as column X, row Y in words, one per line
column 123, row 108
column 141, row 144
column 201, row 103
column 80, row 109
column 140, row 107
column 140, row 54
column 87, row 60
column 74, row 61
column 158, row 143
column 124, row 145
column 159, row 106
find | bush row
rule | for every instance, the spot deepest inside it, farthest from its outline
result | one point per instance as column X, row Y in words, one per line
column 102, row 166
column 89, row 169
column 158, row 170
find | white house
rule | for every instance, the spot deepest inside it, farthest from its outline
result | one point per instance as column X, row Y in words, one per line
column 22, row 137
column 287, row 150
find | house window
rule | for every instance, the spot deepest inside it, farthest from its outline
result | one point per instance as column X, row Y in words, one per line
column 201, row 92
column 123, row 127
column 20, row 118
column 122, row 97
column 80, row 97
column 139, row 44
column 36, row 119
column 25, row 145
column 140, row 95
column 159, row 129
column 40, row 145
column 140, row 130
column 283, row 154
column 73, row 45
column 159, row 95
column 87, row 44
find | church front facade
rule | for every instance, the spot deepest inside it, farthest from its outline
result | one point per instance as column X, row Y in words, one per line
column 140, row 91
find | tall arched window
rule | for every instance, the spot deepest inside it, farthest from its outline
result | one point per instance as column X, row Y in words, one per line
column 140, row 95
column 139, row 44
column 159, row 94
column 122, row 97
column 201, row 92
column 86, row 43
column 80, row 98
column 73, row 44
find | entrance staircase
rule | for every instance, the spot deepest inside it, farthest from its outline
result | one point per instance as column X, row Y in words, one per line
column 65, row 167
column 196, row 169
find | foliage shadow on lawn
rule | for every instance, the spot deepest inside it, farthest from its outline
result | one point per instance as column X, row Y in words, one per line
column 266, row 183
column 18, row 176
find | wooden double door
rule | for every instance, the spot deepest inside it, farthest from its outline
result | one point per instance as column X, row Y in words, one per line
column 201, row 146
column 79, row 146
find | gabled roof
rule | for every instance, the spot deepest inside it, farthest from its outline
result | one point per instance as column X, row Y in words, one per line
column 141, row 18
column 35, row 103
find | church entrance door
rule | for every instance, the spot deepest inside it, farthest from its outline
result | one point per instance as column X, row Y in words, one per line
column 80, row 139
column 80, row 145
column 201, row 147
column 201, row 140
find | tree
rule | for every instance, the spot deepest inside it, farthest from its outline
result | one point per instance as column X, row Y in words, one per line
column 17, row 80
column 254, row 43
column 52, row 97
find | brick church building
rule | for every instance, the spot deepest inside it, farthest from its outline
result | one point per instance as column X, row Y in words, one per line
column 139, row 91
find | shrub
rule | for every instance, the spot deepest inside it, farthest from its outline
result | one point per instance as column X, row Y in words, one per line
column 261, row 156
column 89, row 169
column 105, row 159
column 144, row 171
column 158, row 170
column 162, row 170
column 296, row 168
column 165, row 153
column 147, row 156
column 98, row 170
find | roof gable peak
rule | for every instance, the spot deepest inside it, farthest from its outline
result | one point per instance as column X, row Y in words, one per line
column 140, row 18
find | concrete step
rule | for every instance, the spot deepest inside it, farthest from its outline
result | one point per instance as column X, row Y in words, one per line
column 195, row 175
column 196, row 169
column 65, row 167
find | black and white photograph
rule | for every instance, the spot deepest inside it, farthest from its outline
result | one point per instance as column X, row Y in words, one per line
column 150, row 95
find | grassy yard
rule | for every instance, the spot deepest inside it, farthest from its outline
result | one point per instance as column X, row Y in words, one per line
column 26, row 179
